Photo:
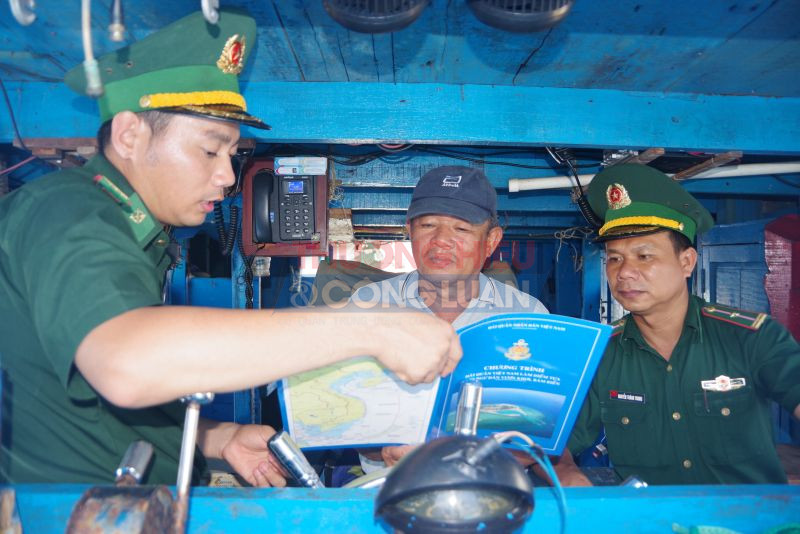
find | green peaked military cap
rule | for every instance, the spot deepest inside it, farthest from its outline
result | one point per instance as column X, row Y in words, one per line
column 634, row 199
column 189, row 66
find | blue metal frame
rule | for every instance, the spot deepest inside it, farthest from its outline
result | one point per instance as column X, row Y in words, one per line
column 591, row 280
column 368, row 112
column 737, row 250
column 747, row 509
column 184, row 289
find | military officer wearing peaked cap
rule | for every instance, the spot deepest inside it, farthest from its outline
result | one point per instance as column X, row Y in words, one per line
column 684, row 387
column 92, row 360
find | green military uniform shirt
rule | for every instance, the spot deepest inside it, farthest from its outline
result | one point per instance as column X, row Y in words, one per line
column 665, row 427
column 72, row 256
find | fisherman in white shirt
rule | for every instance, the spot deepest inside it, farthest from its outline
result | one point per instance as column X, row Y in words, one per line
column 453, row 226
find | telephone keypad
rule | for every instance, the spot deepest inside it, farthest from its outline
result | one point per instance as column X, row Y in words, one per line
column 296, row 206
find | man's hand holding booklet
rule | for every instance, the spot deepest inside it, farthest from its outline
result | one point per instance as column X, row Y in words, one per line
column 534, row 371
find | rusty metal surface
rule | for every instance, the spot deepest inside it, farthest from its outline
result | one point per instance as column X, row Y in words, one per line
column 9, row 517
column 180, row 513
column 106, row 510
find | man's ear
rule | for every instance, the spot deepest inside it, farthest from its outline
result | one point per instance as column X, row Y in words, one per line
column 688, row 260
column 493, row 239
column 126, row 131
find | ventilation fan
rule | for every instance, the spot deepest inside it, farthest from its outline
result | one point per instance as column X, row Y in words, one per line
column 375, row 16
column 521, row 15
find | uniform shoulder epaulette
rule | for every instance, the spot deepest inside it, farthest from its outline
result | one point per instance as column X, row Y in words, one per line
column 619, row 326
column 142, row 224
column 746, row 319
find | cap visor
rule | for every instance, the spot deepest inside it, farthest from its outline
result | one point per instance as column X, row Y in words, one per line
column 448, row 206
column 622, row 232
column 227, row 113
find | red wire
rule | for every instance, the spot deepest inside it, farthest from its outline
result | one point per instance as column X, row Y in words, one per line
column 17, row 166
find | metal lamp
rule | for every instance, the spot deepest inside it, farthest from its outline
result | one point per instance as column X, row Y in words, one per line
column 457, row 483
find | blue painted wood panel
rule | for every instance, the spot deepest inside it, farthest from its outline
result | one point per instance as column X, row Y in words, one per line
column 739, row 284
column 630, row 45
column 465, row 114
column 732, row 265
column 749, row 509
column 376, row 198
column 754, row 186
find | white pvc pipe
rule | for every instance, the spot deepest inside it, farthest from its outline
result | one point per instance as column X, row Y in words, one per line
column 560, row 182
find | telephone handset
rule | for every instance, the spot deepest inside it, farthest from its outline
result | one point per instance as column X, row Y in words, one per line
column 263, row 184
column 283, row 207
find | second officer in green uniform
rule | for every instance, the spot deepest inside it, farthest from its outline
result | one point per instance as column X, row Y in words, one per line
column 684, row 388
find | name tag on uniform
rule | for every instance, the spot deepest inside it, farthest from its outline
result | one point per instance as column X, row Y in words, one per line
column 624, row 396
column 722, row 383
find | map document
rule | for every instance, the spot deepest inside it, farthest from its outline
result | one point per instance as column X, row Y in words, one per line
column 534, row 369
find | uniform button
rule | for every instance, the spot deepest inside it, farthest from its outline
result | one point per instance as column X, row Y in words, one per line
column 687, row 464
column 676, row 416
column 725, row 411
column 625, row 420
column 161, row 242
column 669, row 367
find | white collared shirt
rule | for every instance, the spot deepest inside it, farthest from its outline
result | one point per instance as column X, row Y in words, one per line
column 402, row 291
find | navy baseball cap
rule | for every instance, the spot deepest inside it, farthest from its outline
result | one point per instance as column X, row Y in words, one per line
column 454, row 190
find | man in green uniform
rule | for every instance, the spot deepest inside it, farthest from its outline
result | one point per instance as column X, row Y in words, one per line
column 92, row 361
column 684, row 388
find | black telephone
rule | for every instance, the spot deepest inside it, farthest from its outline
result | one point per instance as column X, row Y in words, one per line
column 283, row 207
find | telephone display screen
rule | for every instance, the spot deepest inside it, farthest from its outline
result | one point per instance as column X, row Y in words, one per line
column 294, row 186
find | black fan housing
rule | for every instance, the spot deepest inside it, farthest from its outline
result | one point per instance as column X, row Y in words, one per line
column 375, row 16
column 521, row 15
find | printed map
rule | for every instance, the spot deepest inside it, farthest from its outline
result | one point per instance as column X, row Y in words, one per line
column 355, row 402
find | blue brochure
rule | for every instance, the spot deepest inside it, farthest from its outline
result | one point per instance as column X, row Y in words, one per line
column 534, row 371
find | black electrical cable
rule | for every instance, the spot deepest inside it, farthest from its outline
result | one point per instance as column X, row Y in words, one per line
column 587, row 212
column 231, row 235
column 241, row 159
column 563, row 156
column 226, row 236
column 219, row 222
column 355, row 161
column 11, row 114
column 247, row 261
column 361, row 159
column 458, row 155
column 394, row 148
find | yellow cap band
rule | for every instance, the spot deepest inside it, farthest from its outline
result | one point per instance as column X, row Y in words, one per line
column 199, row 98
column 641, row 221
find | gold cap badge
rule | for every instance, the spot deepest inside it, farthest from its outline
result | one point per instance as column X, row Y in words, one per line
column 230, row 60
column 617, row 197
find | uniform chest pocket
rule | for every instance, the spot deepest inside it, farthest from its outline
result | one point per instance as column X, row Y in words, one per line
column 632, row 433
column 728, row 425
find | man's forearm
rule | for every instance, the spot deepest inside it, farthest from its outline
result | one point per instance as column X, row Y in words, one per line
column 213, row 435
column 154, row 355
